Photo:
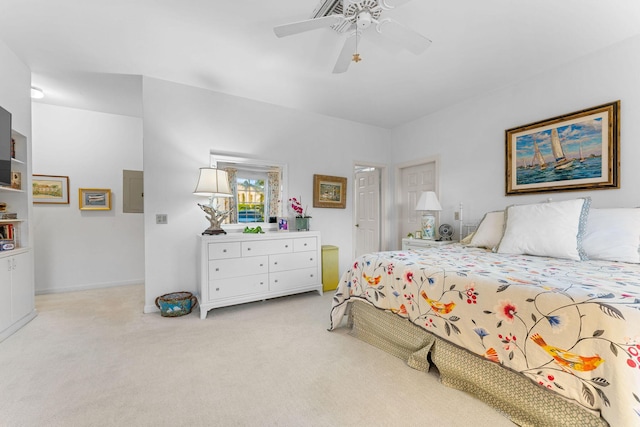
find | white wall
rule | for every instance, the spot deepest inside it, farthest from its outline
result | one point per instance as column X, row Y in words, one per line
column 77, row 249
column 182, row 124
column 470, row 137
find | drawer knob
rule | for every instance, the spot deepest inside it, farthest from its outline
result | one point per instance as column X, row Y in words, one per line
column 276, row 281
column 248, row 249
column 275, row 263
column 224, row 251
column 217, row 269
column 217, row 289
column 311, row 275
column 310, row 259
column 286, row 246
column 305, row 244
column 261, row 265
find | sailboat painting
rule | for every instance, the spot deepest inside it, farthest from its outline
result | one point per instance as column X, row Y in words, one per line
column 576, row 151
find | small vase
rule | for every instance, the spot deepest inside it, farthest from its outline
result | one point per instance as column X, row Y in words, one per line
column 302, row 224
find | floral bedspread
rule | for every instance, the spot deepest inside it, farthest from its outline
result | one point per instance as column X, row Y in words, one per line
column 572, row 327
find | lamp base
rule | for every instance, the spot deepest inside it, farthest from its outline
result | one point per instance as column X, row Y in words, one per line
column 213, row 231
column 428, row 227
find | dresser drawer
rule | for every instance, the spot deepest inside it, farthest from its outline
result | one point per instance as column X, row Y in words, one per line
column 292, row 279
column 223, row 268
column 224, row 250
column 265, row 247
column 238, row 286
column 293, row 261
column 305, row 244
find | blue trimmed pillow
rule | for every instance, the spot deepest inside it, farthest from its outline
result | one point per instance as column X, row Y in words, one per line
column 613, row 235
column 553, row 229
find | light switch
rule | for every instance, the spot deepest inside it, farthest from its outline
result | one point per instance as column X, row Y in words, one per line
column 162, row 219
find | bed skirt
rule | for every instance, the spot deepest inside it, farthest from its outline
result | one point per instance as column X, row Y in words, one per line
column 519, row 399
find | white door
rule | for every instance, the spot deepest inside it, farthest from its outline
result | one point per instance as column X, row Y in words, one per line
column 414, row 180
column 367, row 206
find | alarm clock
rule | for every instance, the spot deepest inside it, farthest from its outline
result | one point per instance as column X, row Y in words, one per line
column 446, row 232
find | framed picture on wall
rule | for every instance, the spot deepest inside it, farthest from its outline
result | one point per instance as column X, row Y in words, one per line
column 94, row 199
column 52, row 189
column 576, row 151
column 329, row 192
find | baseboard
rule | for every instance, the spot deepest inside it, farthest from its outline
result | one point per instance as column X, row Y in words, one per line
column 88, row 287
column 17, row 325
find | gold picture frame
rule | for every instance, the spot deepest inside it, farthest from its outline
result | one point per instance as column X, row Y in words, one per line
column 329, row 192
column 50, row 189
column 576, row 151
column 94, row 199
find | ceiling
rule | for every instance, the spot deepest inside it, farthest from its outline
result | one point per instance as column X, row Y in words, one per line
column 90, row 54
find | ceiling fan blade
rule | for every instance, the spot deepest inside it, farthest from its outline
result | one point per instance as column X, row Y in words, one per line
column 346, row 54
column 307, row 25
column 409, row 39
column 390, row 4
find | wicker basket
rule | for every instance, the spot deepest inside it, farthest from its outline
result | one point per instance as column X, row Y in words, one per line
column 176, row 304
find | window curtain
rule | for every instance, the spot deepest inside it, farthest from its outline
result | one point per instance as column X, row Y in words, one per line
column 232, row 202
column 273, row 193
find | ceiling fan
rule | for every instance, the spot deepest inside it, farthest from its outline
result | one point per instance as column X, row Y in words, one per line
column 353, row 17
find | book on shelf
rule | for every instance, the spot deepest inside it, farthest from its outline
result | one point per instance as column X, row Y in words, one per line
column 8, row 215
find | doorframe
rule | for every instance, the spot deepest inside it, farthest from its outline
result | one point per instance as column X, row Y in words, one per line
column 384, row 217
column 397, row 225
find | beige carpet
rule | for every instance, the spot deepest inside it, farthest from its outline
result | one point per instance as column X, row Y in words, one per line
column 92, row 358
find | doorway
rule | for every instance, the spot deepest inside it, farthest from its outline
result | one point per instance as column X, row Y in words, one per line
column 369, row 196
column 411, row 180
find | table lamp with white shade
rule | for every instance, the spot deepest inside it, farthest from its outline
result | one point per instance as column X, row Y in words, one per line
column 213, row 183
column 428, row 203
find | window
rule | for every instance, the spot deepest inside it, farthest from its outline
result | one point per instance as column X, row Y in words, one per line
column 258, row 187
column 251, row 199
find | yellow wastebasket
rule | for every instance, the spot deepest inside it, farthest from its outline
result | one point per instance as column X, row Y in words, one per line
column 330, row 273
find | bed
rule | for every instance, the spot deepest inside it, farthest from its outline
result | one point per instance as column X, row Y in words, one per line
column 549, row 334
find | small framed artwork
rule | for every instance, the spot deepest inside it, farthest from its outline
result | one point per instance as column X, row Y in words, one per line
column 417, row 234
column 283, row 224
column 94, row 199
column 16, row 180
column 577, row 151
column 53, row 189
column 329, row 192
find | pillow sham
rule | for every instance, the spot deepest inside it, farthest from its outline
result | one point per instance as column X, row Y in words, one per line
column 613, row 235
column 552, row 229
column 489, row 231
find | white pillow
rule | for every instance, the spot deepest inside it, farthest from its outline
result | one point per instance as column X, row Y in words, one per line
column 489, row 231
column 553, row 229
column 613, row 235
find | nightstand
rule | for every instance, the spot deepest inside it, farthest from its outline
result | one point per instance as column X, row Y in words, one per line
column 423, row 243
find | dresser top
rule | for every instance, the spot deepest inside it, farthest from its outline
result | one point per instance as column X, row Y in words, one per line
column 273, row 235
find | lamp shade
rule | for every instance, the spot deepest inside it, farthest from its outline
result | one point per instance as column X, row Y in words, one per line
column 213, row 182
column 428, row 202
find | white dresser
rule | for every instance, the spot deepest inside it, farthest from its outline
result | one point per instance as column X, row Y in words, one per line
column 238, row 268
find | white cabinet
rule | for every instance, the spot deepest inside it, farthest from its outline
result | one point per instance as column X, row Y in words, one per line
column 239, row 268
column 423, row 243
column 17, row 296
column 16, row 291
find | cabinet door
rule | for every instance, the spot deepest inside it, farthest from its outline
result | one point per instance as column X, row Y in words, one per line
column 292, row 279
column 293, row 261
column 5, row 292
column 21, row 287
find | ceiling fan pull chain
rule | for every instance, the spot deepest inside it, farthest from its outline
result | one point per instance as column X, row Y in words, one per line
column 356, row 55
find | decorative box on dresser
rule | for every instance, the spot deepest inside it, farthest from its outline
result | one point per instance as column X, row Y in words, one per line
column 237, row 268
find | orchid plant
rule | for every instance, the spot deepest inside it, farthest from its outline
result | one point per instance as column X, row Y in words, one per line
column 296, row 205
